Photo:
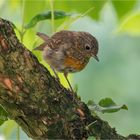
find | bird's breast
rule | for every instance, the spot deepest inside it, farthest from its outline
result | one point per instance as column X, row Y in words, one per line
column 74, row 65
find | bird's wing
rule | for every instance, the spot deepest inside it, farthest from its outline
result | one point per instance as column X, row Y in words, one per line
column 61, row 39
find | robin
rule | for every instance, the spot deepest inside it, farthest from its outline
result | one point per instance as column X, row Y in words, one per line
column 68, row 51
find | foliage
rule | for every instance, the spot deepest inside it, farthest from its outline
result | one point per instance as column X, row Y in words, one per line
column 106, row 105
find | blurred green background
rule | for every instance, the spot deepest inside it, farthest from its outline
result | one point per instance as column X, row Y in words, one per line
column 116, row 25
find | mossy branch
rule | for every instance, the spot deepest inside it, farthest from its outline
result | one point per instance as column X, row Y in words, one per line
column 37, row 101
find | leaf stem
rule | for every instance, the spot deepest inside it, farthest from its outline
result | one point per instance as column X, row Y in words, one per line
column 22, row 32
column 52, row 15
column 71, row 20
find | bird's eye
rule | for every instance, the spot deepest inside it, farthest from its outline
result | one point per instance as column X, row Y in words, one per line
column 87, row 47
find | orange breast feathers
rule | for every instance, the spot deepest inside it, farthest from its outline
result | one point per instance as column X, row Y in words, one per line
column 74, row 63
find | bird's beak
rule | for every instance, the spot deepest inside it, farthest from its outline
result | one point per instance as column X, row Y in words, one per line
column 96, row 57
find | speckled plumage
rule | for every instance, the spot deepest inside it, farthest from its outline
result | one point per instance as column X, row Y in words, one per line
column 66, row 51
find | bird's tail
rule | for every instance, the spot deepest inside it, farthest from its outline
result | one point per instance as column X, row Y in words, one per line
column 45, row 38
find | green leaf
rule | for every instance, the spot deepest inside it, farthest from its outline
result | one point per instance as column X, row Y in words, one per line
column 76, row 88
column 131, row 24
column 106, row 102
column 45, row 16
column 109, row 106
column 122, row 7
column 90, row 102
column 113, row 109
column 3, row 115
column 106, row 105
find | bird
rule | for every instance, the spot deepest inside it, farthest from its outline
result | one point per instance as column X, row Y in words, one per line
column 68, row 51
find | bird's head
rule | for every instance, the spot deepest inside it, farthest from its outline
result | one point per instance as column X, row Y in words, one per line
column 88, row 45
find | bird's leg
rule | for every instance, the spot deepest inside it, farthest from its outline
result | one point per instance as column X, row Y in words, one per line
column 66, row 77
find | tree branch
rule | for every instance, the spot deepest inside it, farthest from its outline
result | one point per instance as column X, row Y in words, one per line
column 37, row 101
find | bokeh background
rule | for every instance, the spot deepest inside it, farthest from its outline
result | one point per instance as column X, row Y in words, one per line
column 116, row 25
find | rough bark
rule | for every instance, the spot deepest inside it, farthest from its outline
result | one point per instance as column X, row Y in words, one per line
column 37, row 101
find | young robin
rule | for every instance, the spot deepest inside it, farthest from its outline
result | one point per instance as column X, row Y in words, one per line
column 68, row 51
